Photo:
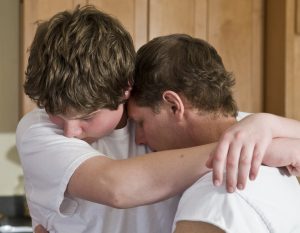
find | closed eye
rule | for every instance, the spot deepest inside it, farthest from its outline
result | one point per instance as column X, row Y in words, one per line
column 87, row 119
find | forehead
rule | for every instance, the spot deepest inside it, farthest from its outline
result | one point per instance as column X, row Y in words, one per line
column 73, row 114
column 135, row 111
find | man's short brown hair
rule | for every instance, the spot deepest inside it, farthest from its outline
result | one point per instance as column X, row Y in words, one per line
column 188, row 66
column 81, row 60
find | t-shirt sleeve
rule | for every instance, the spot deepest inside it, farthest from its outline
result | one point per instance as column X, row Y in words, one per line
column 206, row 203
column 49, row 159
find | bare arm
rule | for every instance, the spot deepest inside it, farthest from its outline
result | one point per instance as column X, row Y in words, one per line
column 196, row 227
column 140, row 180
column 242, row 147
column 284, row 152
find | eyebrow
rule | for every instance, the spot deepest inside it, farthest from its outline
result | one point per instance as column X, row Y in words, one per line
column 84, row 116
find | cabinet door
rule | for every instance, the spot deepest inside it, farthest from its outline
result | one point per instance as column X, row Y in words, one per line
column 233, row 27
column 282, row 95
column 131, row 13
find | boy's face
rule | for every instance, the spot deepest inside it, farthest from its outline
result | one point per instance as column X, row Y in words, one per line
column 157, row 130
column 89, row 127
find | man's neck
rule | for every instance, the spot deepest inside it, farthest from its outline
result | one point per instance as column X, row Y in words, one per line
column 208, row 128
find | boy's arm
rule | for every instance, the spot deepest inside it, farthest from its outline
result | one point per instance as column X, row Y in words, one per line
column 196, row 227
column 55, row 165
column 284, row 152
column 140, row 180
column 242, row 147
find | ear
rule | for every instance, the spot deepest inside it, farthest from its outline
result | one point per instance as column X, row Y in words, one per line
column 127, row 93
column 174, row 101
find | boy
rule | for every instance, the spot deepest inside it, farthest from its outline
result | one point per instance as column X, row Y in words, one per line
column 80, row 73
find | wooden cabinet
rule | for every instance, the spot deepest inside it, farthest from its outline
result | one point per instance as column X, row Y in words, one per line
column 235, row 28
column 282, row 76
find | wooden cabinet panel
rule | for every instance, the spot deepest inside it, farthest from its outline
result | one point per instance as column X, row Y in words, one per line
column 131, row 13
column 176, row 16
column 294, row 87
column 282, row 64
column 235, row 28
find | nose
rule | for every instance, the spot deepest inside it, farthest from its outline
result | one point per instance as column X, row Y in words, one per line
column 140, row 137
column 72, row 129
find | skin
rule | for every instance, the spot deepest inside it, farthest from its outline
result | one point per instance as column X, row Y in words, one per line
column 175, row 119
column 185, row 226
column 90, row 127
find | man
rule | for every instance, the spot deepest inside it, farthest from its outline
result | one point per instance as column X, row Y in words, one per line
column 181, row 98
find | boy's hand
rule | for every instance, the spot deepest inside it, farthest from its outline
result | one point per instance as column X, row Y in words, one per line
column 240, row 152
column 40, row 229
column 294, row 170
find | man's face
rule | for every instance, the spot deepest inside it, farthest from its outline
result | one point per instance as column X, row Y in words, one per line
column 157, row 130
column 89, row 127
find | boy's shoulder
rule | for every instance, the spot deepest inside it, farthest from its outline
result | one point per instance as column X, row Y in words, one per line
column 37, row 117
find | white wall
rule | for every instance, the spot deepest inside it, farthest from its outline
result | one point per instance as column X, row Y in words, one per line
column 10, row 168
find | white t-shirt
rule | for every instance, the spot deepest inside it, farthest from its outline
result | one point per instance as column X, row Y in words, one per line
column 49, row 159
column 271, row 203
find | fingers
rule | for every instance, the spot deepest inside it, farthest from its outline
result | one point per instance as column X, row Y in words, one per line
column 238, row 166
column 240, row 162
column 294, row 171
column 209, row 162
column 219, row 158
column 232, row 167
column 256, row 162
column 240, row 153
column 244, row 166
column 233, row 158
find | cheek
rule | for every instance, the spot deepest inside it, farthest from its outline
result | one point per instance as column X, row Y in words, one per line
column 108, row 125
column 102, row 126
column 151, row 132
column 56, row 120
